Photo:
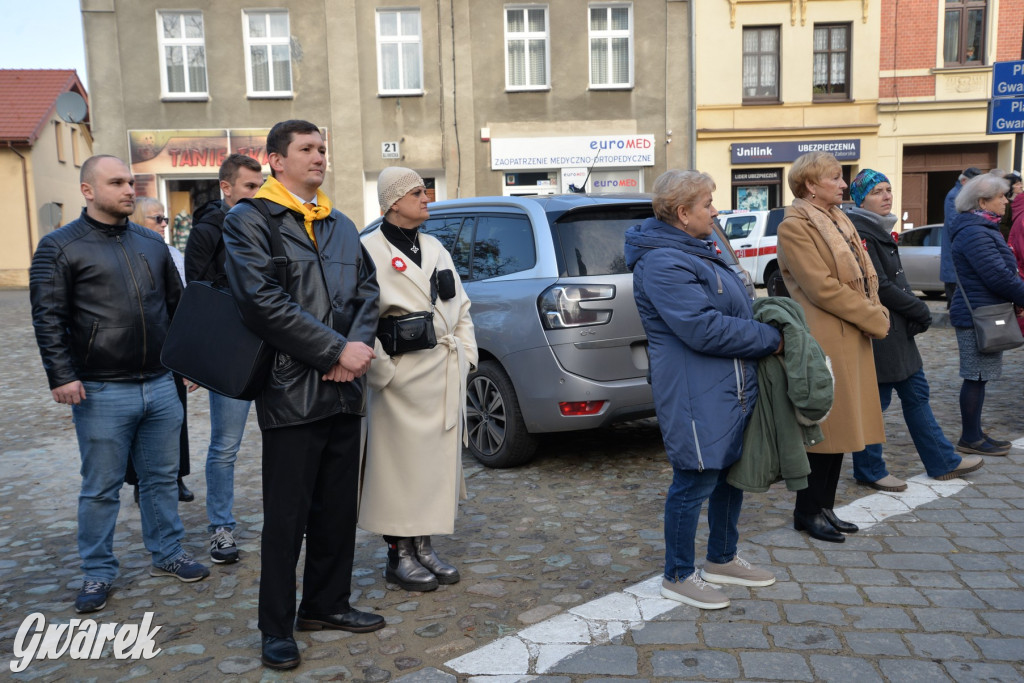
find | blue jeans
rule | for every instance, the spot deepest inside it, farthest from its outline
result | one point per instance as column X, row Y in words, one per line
column 936, row 452
column 686, row 496
column 227, row 424
column 115, row 422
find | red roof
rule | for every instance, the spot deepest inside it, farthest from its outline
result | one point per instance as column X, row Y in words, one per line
column 28, row 98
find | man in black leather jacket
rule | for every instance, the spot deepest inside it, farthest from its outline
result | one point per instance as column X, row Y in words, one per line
column 322, row 321
column 103, row 291
column 240, row 178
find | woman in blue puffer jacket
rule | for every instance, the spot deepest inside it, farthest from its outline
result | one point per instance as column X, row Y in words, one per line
column 987, row 271
column 703, row 346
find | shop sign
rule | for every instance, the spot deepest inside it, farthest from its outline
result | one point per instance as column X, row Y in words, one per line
column 773, row 175
column 777, row 152
column 600, row 151
column 176, row 152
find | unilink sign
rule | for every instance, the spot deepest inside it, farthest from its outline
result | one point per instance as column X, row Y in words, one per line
column 776, row 152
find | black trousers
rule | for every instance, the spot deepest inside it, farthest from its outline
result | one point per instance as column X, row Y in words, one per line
column 310, row 482
column 821, row 483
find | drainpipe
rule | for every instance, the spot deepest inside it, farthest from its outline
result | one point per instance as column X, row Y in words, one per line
column 28, row 205
column 693, row 83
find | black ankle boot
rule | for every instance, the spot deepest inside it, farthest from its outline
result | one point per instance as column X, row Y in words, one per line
column 817, row 526
column 404, row 569
column 184, row 495
column 445, row 573
column 838, row 524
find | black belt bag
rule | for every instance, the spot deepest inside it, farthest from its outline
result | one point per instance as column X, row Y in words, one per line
column 400, row 334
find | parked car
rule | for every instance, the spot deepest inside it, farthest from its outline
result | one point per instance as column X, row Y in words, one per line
column 561, row 343
column 919, row 253
column 754, row 237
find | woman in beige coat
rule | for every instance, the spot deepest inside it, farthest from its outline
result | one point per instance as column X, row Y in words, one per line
column 412, row 477
column 828, row 272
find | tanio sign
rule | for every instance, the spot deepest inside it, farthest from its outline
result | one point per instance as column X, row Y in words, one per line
column 81, row 639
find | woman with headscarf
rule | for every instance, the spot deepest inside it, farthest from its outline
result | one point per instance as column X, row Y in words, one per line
column 898, row 363
column 828, row 272
column 412, row 478
column 987, row 273
column 704, row 345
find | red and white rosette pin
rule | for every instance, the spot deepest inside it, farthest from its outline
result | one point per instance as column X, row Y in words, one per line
column 398, row 263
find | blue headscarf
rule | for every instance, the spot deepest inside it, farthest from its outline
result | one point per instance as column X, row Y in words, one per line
column 864, row 183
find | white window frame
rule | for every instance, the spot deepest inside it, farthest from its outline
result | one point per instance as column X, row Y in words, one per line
column 269, row 42
column 184, row 43
column 399, row 40
column 527, row 36
column 607, row 36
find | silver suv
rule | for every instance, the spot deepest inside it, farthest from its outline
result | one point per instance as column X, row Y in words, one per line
column 561, row 343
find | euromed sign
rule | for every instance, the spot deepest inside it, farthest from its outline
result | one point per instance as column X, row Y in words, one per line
column 779, row 152
column 600, row 151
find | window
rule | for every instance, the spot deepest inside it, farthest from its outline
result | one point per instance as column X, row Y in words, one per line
column 399, row 53
column 76, row 147
column 761, row 64
column 832, row 62
column 611, row 46
column 58, row 131
column 268, row 58
column 502, row 245
column 526, row 48
column 963, row 39
column 182, row 54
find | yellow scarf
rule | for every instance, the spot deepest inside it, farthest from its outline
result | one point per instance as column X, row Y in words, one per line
column 279, row 194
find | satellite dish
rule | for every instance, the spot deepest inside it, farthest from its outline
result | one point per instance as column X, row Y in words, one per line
column 71, row 107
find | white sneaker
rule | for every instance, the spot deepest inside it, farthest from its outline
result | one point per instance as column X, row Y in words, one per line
column 694, row 591
column 738, row 572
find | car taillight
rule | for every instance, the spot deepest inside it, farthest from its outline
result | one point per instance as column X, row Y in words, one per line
column 569, row 408
column 563, row 306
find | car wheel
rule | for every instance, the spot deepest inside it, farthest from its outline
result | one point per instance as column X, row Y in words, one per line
column 773, row 281
column 497, row 433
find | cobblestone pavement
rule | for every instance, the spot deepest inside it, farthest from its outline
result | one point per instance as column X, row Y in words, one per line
column 557, row 560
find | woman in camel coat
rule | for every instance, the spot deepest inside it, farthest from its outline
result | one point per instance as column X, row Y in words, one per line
column 828, row 272
column 412, row 477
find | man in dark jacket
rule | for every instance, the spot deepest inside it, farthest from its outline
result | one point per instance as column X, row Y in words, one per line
column 240, row 177
column 898, row 363
column 103, row 291
column 322, row 321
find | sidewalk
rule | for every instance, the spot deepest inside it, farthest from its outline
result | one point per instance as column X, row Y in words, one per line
column 557, row 562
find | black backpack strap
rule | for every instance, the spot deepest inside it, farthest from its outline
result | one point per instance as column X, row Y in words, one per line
column 276, row 242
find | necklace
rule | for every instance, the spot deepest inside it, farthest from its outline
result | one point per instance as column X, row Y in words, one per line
column 412, row 241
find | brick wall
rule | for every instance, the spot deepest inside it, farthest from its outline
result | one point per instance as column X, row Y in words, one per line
column 909, row 86
column 1009, row 29
column 915, row 26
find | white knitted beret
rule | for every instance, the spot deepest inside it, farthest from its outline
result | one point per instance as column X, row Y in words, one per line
column 393, row 184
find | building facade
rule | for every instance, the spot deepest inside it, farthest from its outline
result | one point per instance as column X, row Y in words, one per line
column 776, row 79
column 481, row 97
column 934, row 89
column 41, row 153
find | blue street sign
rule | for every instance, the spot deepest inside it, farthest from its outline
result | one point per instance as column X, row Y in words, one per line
column 1006, row 115
column 1008, row 79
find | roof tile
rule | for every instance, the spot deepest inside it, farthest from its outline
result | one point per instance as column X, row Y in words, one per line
column 27, row 98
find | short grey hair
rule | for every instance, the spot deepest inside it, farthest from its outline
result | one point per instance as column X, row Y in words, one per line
column 675, row 188
column 984, row 186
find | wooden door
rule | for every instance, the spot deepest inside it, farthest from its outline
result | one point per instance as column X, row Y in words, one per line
column 914, row 201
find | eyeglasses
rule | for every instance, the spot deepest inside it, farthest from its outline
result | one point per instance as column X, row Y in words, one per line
column 159, row 218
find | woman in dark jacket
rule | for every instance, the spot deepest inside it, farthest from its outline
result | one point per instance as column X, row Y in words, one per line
column 703, row 346
column 898, row 363
column 987, row 272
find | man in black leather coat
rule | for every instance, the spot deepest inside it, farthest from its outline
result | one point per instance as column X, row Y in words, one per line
column 103, row 291
column 322, row 321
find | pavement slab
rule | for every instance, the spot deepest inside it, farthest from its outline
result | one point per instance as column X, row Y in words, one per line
column 561, row 564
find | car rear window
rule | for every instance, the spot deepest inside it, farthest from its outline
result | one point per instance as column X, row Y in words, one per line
column 591, row 241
